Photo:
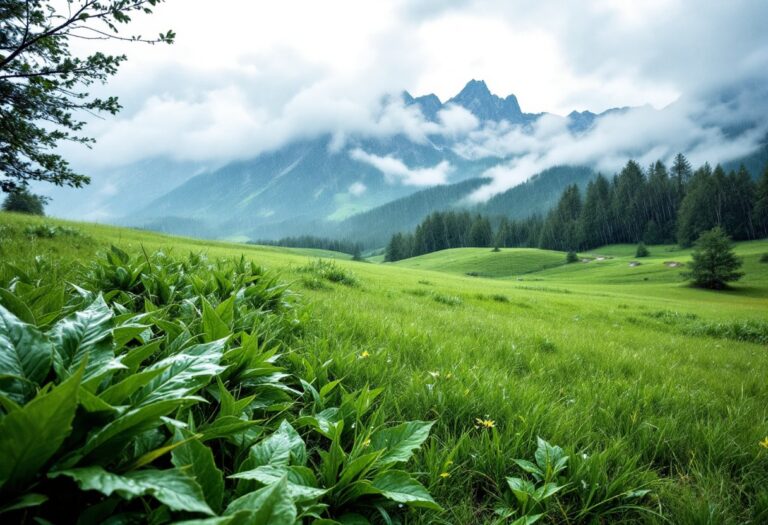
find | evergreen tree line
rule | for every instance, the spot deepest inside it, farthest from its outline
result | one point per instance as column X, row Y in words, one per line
column 309, row 241
column 658, row 205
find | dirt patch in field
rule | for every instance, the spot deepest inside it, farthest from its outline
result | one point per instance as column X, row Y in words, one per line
column 673, row 264
column 634, row 264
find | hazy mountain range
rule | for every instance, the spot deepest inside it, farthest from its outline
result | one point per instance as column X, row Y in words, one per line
column 358, row 186
column 318, row 186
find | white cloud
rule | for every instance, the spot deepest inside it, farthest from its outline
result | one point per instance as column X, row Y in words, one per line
column 357, row 189
column 643, row 134
column 456, row 121
column 396, row 171
column 252, row 76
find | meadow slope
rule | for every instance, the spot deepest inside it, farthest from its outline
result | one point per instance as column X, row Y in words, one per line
column 648, row 384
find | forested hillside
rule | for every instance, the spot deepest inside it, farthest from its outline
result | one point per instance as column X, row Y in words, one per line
column 657, row 205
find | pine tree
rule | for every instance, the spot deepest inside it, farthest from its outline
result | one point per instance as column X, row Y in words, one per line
column 760, row 210
column 394, row 250
column 481, row 234
column 595, row 220
column 681, row 173
column 738, row 204
column 697, row 211
column 714, row 264
column 628, row 203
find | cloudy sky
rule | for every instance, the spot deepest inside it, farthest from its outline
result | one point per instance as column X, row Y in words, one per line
column 247, row 76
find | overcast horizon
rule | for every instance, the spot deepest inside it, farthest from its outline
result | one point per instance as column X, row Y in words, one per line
column 251, row 78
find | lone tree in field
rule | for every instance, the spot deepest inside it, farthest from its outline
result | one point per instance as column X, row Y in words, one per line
column 22, row 201
column 43, row 87
column 642, row 251
column 714, row 263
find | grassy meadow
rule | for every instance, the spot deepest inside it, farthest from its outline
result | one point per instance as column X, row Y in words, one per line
column 655, row 391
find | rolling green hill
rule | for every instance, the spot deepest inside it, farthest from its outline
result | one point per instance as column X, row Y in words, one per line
column 655, row 390
column 483, row 262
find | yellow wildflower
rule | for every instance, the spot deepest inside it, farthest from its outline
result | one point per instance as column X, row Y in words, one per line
column 445, row 475
column 764, row 443
column 448, row 375
column 485, row 423
column 365, row 354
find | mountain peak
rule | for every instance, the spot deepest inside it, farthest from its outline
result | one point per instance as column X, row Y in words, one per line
column 475, row 88
column 478, row 99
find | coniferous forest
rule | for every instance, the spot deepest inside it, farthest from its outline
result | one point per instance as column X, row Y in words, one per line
column 654, row 205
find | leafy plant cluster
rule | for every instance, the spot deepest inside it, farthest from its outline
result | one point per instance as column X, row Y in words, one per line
column 531, row 497
column 327, row 270
column 49, row 231
column 158, row 390
column 746, row 330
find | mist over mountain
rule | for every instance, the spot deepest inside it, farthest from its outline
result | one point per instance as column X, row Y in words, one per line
column 318, row 183
column 357, row 182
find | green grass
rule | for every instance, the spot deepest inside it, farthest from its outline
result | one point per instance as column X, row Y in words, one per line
column 645, row 382
column 483, row 262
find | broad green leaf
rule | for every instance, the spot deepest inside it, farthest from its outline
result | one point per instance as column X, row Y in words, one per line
column 31, row 435
column 136, row 356
column 25, row 357
column 297, row 479
column 17, row 307
column 523, row 489
column 110, row 438
column 398, row 443
column 85, row 336
column 214, row 327
column 151, row 455
column 8, row 404
column 271, row 505
column 244, row 517
column 547, row 490
column 196, row 459
column 282, row 448
column 226, row 310
column 93, row 403
column 399, row 486
column 226, row 427
column 547, row 455
column 529, row 467
column 324, row 422
column 24, row 502
column 358, row 468
column 183, row 374
column 229, row 405
column 171, row 487
column 328, row 388
column 126, row 333
column 120, row 392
